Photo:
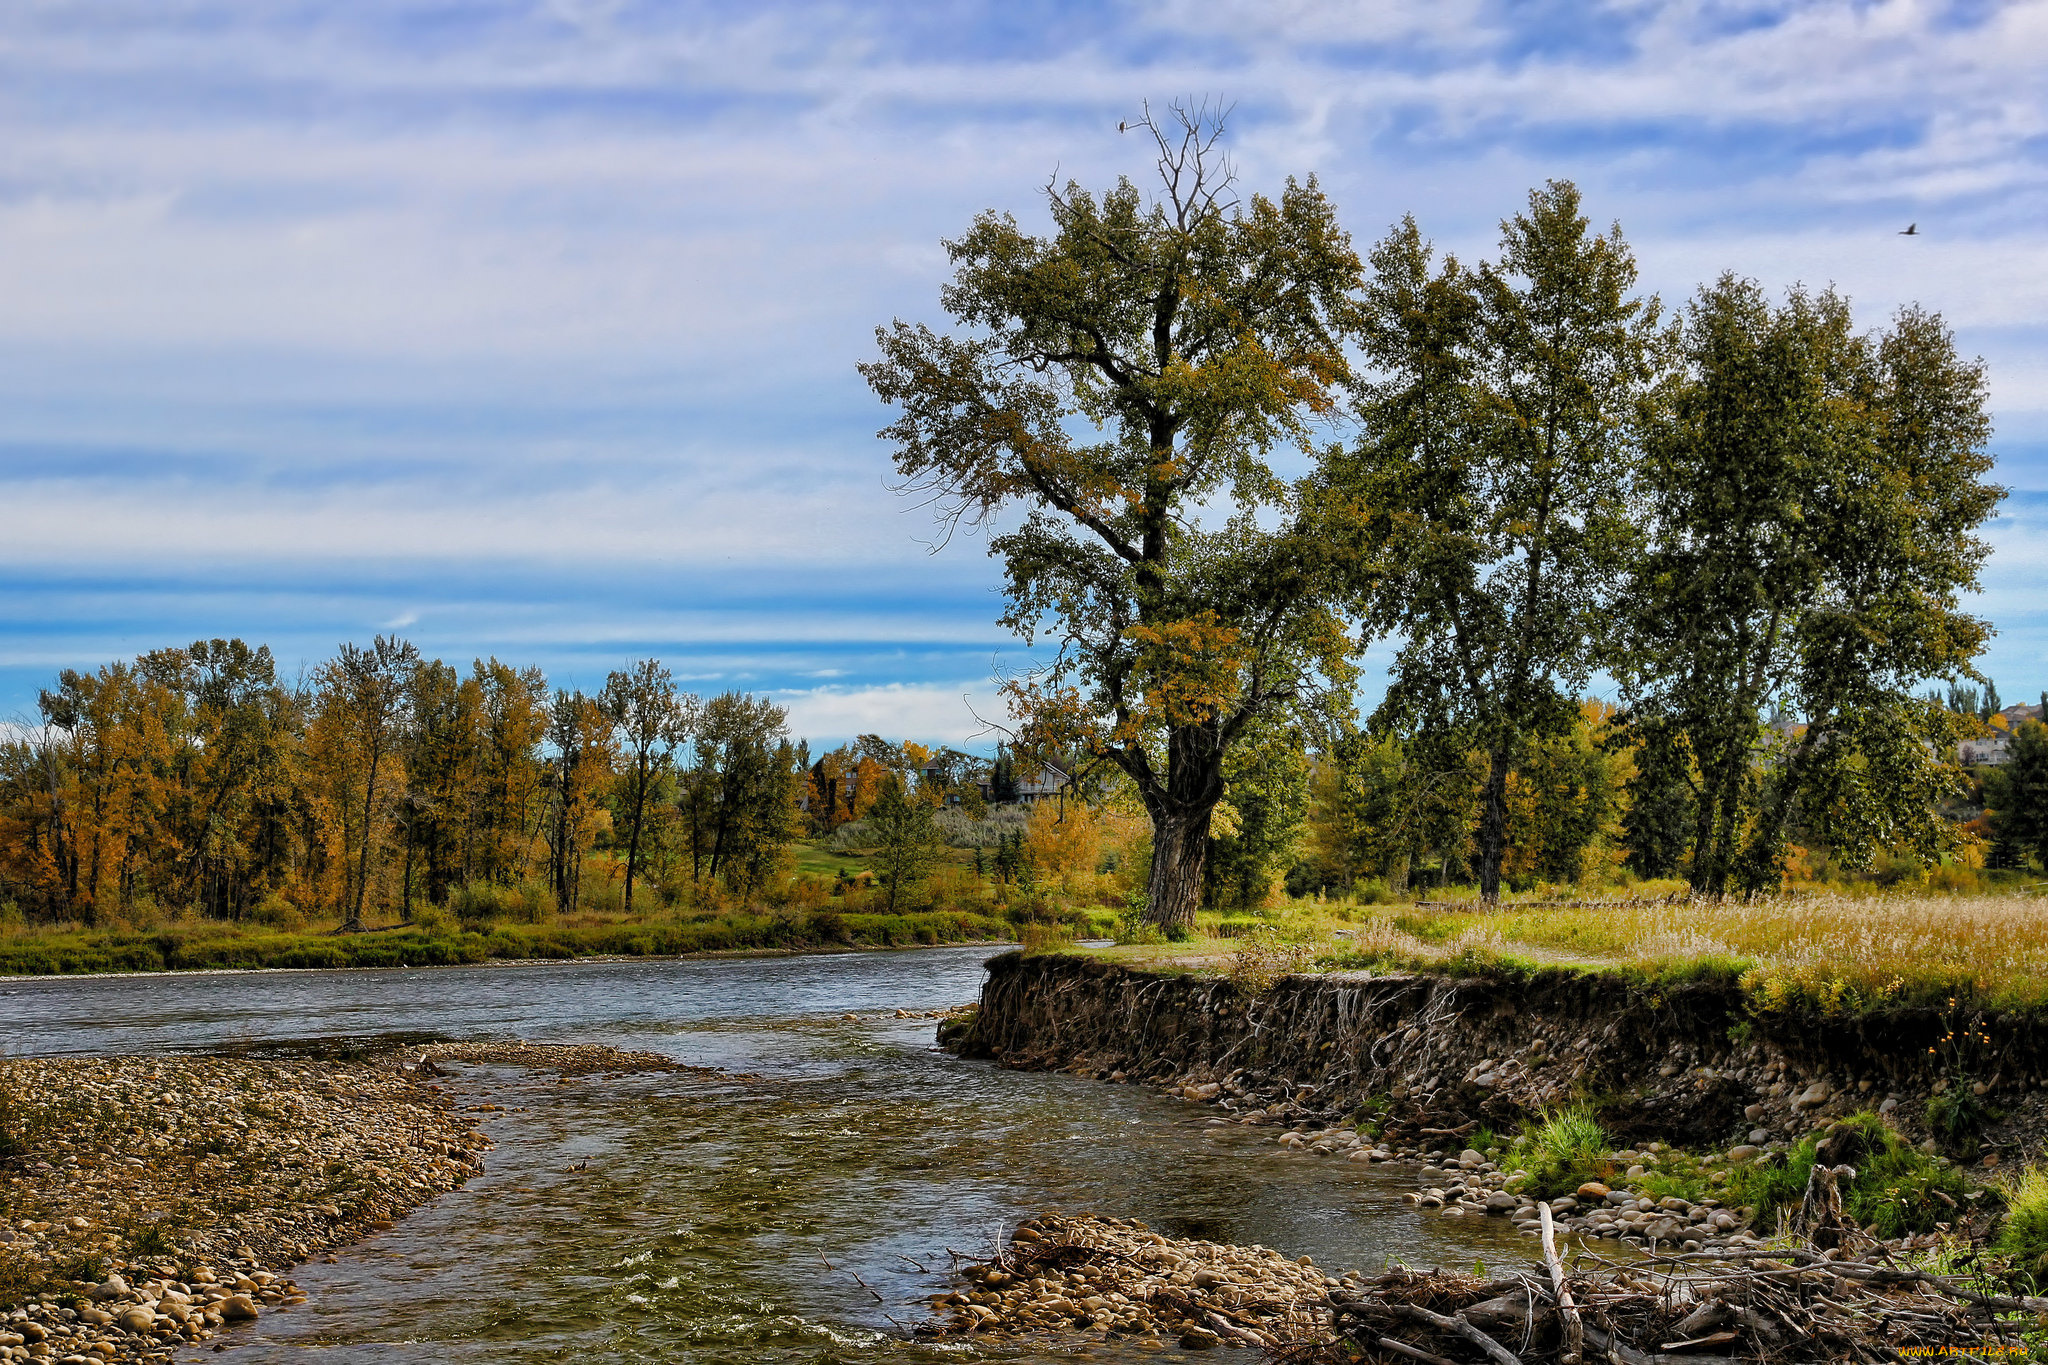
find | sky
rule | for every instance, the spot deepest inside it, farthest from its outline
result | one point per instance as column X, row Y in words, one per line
column 529, row 329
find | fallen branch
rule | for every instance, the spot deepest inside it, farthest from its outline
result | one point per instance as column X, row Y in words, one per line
column 1567, row 1311
column 1461, row 1326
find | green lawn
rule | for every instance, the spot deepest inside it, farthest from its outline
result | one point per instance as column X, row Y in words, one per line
column 819, row 861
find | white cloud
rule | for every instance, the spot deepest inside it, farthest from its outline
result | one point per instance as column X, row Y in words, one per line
column 928, row 713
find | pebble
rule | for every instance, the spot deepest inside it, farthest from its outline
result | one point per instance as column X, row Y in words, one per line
column 217, row 1152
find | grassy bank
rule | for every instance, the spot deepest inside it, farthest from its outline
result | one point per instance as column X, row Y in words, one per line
column 1832, row 953
column 42, row 952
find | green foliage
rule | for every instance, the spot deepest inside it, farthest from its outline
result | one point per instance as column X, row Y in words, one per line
column 1262, row 959
column 1497, row 464
column 1897, row 1187
column 480, row 903
column 1956, row 1115
column 1816, row 495
column 739, row 797
column 1266, row 797
column 2017, row 793
column 88, row 952
column 908, row 840
column 1196, row 333
column 1566, row 1147
column 2023, row 1235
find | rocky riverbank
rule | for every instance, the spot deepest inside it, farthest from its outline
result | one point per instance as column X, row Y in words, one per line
column 1059, row 1277
column 1108, row 1277
column 151, row 1202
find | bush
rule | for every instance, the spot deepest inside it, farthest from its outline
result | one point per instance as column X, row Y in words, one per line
column 277, row 912
column 1898, row 1188
column 530, row 902
column 2024, row 1234
column 1566, row 1148
column 1044, row 938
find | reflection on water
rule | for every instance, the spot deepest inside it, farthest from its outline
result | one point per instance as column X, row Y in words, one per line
column 800, row 1211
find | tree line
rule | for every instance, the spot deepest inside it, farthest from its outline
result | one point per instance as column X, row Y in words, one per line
column 196, row 778
column 1219, row 453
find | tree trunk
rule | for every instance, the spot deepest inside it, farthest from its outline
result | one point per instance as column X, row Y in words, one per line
column 633, row 846
column 354, row 922
column 1180, row 843
column 1493, row 826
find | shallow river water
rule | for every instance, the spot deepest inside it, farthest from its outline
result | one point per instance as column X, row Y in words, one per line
column 801, row 1210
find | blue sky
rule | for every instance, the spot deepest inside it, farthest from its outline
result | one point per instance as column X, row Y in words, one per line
column 529, row 328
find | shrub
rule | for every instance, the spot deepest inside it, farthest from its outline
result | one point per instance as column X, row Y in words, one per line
column 2024, row 1234
column 1262, row 958
column 530, row 902
column 432, row 919
column 1897, row 1188
column 1045, row 938
column 1567, row 1147
column 277, row 912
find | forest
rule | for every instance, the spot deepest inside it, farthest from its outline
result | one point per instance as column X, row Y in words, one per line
column 382, row 787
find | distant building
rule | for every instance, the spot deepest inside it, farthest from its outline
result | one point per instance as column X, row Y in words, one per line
column 1045, row 784
column 1989, row 753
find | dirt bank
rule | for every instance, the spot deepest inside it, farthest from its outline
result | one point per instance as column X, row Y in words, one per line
column 1696, row 1064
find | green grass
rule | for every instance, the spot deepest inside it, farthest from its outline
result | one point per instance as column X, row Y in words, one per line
column 2024, row 1234
column 226, row 946
column 1563, row 1150
column 1898, row 1188
column 818, row 861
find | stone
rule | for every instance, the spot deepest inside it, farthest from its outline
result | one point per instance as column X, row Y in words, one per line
column 1752, row 1112
column 1563, row 1204
column 1813, row 1097
column 238, row 1308
column 1500, row 1202
column 1593, row 1189
column 1199, row 1339
column 136, row 1319
column 1759, row 1136
column 1891, row 1102
column 1469, row 1159
column 113, row 1287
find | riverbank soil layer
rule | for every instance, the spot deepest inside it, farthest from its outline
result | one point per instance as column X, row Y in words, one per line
column 1691, row 1063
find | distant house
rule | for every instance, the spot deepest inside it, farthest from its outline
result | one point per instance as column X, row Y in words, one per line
column 1044, row 785
column 1973, row 753
column 1996, row 748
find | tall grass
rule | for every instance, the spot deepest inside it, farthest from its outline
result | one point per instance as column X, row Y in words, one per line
column 1565, row 1148
column 2024, row 1234
column 1833, row 953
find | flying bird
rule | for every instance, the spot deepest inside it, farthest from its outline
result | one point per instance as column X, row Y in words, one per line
column 1910, row 230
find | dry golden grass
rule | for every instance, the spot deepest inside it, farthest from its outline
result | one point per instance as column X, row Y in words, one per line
column 1836, row 953
column 1833, row 952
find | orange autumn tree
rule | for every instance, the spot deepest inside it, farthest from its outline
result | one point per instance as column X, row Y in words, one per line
column 1125, row 383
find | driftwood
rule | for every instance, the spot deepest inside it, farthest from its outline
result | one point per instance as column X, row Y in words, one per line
column 1795, row 1303
column 1567, row 1310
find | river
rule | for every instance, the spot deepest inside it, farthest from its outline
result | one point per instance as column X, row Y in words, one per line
column 798, row 1211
